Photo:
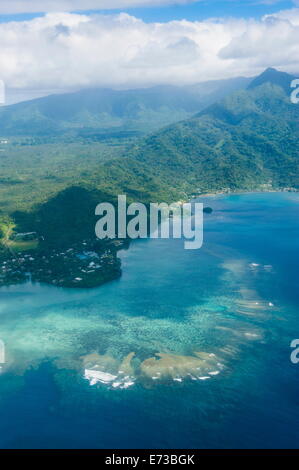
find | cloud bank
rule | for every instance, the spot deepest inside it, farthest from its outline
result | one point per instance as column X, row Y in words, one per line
column 70, row 51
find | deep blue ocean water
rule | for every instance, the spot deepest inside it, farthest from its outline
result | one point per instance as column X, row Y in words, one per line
column 237, row 297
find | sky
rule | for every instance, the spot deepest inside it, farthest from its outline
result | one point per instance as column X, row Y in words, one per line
column 141, row 43
column 158, row 11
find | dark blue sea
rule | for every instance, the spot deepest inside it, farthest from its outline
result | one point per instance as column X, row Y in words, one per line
column 235, row 301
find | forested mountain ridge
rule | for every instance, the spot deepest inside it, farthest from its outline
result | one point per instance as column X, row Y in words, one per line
column 99, row 112
column 248, row 139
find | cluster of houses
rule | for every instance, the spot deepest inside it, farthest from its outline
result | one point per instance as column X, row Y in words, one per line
column 75, row 267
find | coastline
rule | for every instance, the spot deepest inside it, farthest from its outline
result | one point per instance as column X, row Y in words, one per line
column 85, row 265
column 72, row 271
column 240, row 191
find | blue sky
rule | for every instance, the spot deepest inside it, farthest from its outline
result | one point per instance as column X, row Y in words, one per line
column 192, row 11
column 64, row 52
column 207, row 9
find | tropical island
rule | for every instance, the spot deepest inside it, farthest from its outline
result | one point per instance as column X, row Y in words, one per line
column 53, row 176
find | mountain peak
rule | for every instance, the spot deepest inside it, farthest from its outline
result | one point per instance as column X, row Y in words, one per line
column 271, row 75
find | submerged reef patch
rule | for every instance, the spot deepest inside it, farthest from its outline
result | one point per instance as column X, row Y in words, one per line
column 163, row 368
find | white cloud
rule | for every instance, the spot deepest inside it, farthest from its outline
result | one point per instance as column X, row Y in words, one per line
column 271, row 42
column 30, row 6
column 68, row 51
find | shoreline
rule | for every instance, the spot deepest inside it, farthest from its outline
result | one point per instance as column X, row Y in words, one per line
column 228, row 193
column 95, row 274
column 85, row 265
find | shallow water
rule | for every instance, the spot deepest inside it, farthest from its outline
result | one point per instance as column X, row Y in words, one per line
column 235, row 301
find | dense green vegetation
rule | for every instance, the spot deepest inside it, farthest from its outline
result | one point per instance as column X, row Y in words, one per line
column 248, row 140
column 51, row 184
column 245, row 141
column 31, row 174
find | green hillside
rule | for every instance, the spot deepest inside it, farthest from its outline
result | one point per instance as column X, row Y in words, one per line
column 101, row 114
column 247, row 140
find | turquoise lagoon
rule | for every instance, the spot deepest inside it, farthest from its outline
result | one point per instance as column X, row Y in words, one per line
column 222, row 317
